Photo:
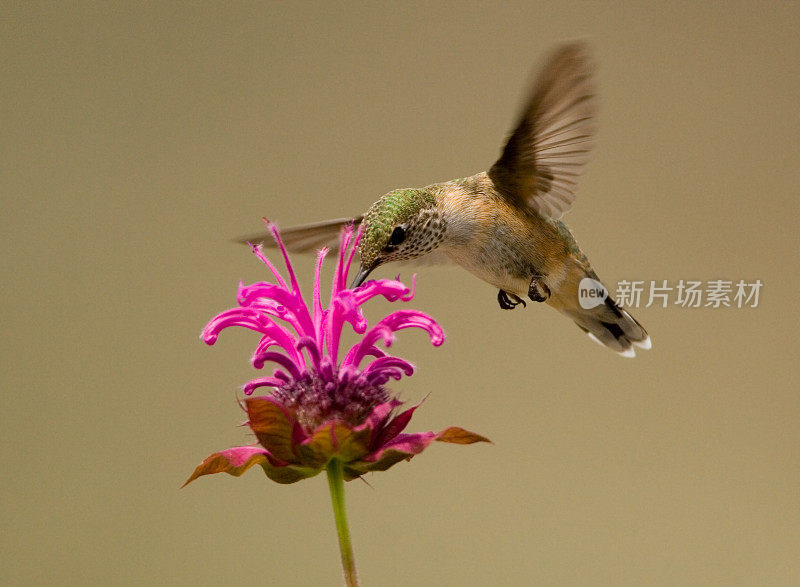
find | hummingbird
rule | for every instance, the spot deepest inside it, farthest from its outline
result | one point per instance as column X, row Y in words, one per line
column 503, row 225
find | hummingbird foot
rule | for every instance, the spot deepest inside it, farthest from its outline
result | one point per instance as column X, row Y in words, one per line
column 538, row 291
column 509, row 301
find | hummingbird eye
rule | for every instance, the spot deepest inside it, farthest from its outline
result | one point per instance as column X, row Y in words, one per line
column 398, row 236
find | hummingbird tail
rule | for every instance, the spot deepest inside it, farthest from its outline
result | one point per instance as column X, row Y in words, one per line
column 605, row 323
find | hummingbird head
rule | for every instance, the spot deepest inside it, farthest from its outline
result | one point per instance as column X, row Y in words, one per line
column 401, row 225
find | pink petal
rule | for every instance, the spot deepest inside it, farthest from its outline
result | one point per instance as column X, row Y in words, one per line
column 392, row 323
column 295, row 286
column 343, row 309
column 265, row 305
column 314, row 352
column 251, row 386
column 244, row 317
column 295, row 357
column 391, row 289
column 319, row 314
column 278, row 300
column 339, row 274
column 384, row 376
column 258, row 252
column 349, row 262
column 386, row 362
column 293, row 368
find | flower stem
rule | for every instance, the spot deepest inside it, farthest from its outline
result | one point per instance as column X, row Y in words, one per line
column 336, row 485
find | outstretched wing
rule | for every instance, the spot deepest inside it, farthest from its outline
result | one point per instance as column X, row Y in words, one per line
column 546, row 153
column 307, row 238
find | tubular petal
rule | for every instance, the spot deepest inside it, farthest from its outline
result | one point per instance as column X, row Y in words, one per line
column 410, row 295
column 284, row 338
column 295, row 286
column 292, row 352
column 251, row 386
column 349, row 262
column 390, row 289
column 311, row 347
column 384, row 362
column 319, row 315
column 282, row 375
column 339, row 276
column 258, row 252
column 383, row 376
column 269, row 297
column 395, row 321
column 282, row 360
column 234, row 317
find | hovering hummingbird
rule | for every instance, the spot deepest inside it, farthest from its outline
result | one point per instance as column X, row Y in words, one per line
column 503, row 225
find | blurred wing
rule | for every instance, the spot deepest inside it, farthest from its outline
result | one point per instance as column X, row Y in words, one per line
column 549, row 148
column 307, row 238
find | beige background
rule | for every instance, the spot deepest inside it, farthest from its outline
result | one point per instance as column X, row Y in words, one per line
column 137, row 139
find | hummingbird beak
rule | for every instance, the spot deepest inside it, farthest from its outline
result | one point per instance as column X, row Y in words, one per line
column 362, row 275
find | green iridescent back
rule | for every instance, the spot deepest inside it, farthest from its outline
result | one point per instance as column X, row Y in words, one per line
column 391, row 210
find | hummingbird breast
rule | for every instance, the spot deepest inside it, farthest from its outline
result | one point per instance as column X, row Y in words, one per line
column 497, row 241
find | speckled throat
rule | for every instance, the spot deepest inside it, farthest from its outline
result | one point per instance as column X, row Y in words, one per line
column 424, row 233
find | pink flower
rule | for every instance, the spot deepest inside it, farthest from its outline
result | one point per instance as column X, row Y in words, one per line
column 323, row 406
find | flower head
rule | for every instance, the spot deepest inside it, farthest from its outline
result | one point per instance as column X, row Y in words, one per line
column 323, row 406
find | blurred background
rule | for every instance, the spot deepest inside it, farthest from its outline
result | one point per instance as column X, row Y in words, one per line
column 138, row 139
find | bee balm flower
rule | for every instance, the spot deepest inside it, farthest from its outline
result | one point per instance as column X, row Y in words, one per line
column 324, row 406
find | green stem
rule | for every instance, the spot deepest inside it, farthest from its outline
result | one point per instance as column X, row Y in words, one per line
column 336, row 484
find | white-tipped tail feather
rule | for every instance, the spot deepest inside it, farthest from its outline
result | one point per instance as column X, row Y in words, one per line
column 611, row 326
column 606, row 324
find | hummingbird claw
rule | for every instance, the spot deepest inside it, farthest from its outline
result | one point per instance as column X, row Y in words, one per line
column 538, row 290
column 509, row 301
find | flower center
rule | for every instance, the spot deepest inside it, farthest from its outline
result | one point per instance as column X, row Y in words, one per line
column 315, row 399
